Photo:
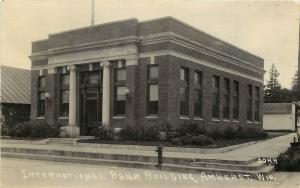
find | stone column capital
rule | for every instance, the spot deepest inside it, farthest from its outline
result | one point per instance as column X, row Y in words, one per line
column 105, row 64
column 72, row 68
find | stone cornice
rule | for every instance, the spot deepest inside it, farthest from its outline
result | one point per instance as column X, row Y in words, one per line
column 150, row 39
column 202, row 62
column 85, row 46
column 170, row 36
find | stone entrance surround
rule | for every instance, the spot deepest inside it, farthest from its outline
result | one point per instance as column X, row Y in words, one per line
column 103, row 56
column 73, row 130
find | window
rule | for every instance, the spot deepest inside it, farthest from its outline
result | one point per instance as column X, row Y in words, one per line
column 249, row 103
column 184, row 74
column 120, row 100
column 184, row 103
column 42, row 82
column 236, row 100
column 153, row 99
column 64, row 92
column 153, row 72
column 226, row 98
column 198, row 78
column 121, row 74
column 41, row 104
column 120, row 95
column 64, row 106
column 93, row 77
column 65, row 79
column 257, row 101
column 198, row 94
column 184, row 92
column 198, row 103
column 120, row 71
column 152, row 90
column 41, row 95
column 216, row 97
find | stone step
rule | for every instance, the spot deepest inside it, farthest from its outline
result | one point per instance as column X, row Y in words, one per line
column 263, row 173
column 128, row 157
column 225, row 161
column 121, row 163
column 88, row 155
column 63, row 141
column 257, row 174
column 254, row 166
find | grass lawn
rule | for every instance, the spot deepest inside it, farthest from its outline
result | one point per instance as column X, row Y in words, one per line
column 216, row 144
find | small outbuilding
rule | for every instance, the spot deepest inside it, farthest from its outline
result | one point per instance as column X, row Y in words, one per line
column 279, row 116
column 15, row 97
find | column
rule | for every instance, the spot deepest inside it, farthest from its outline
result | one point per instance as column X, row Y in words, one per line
column 106, row 94
column 72, row 130
column 72, row 96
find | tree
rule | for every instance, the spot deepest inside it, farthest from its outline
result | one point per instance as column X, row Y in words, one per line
column 273, row 87
column 295, row 87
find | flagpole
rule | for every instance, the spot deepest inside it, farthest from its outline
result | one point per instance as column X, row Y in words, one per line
column 92, row 14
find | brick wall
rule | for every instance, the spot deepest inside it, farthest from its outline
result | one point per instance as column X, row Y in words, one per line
column 173, row 95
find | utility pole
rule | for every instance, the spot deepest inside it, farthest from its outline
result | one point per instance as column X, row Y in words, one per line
column 93, row 13
column 298, row 81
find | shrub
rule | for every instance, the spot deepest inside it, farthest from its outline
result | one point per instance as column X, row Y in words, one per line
column 176, row 141
column 190, row 129
column 150, row 134
column 13, row 114
column 229, row 133
column 253, row 133
column 215, row 133
column 21, row 130
column 34, row 129
column 202, row 140
column 165, row 126
column 139, row 133
column 103, row 133
column 128, row 133
column 287, row 162
column 187, row 139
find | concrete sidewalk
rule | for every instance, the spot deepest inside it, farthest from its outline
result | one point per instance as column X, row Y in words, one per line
column 268, row 148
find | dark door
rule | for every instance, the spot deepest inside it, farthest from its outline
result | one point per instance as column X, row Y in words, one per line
column 91, row 102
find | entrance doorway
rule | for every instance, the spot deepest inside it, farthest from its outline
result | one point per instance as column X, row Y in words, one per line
column 91, row 101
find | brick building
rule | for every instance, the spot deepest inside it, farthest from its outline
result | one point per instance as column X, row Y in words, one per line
column 144, row 73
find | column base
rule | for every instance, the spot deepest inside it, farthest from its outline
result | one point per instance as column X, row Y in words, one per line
column 105, row 125
column 70, row 131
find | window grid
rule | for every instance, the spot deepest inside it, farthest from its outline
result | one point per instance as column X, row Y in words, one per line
column 152, row 89
column 249, row 103
column 184, row 92
column 64, row 94
column 120, row 87
column 236, row 101
column 226, row 98
column 257, row 101
column 198, row 94
column 41, row 95
column 216, row 97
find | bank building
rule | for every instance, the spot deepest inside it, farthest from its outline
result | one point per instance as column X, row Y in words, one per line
column 142, row 73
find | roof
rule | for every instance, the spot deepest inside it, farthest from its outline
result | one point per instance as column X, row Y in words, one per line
column 15, row 85
column 134, row 28
column 277, row 108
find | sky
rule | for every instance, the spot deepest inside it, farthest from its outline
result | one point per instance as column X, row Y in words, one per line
column 269, row 29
